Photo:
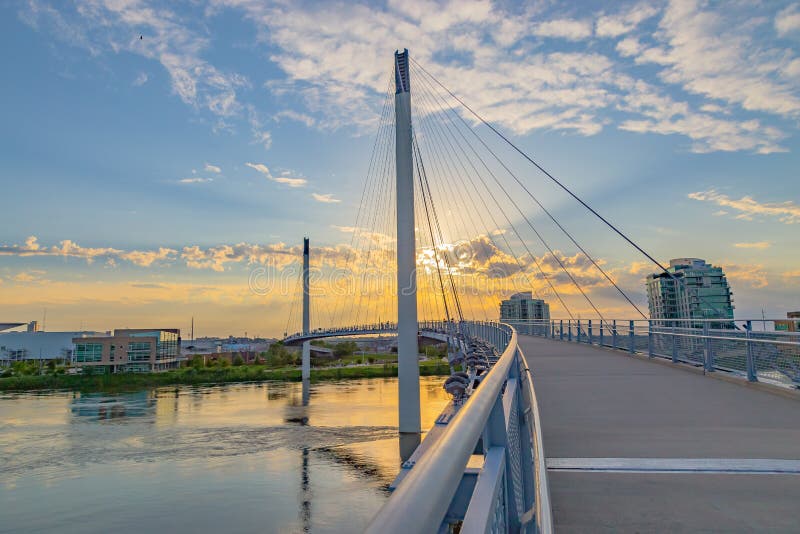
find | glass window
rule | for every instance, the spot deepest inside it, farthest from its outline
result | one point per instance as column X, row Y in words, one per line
column 88, row 352
column 139, row 351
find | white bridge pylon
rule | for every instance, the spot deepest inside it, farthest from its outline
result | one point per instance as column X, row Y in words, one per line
column 306, row 358
column 407, row 328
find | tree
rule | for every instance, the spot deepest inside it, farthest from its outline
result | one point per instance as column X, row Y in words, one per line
column 238, row 360
column 197, row 362
column 345, row 348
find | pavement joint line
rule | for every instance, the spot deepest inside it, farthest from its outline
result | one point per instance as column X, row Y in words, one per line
column 749, row 466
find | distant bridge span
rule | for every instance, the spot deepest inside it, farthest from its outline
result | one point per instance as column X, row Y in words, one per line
column 426, row 330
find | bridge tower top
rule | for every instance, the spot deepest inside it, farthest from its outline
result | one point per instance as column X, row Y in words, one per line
column 401, row 79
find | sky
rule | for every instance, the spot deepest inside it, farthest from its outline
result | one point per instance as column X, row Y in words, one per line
column 163, row 161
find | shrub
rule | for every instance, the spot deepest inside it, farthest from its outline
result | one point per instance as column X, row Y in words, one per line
column 238, row 360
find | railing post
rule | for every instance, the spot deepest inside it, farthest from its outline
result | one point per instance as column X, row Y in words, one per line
column 709, row 349
column 561, row 330
column 579, row 331
column 614, row 334
column 649, row 338
column 632, row 347
column 752, row 373
column 674, row 345
column 589, row 331
column 601, row 332
column 569, row 329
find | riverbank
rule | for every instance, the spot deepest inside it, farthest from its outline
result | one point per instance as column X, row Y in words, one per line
column 204, row 376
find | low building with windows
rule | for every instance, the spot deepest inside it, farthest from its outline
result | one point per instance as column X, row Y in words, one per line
column 129, row 351
column 39, row 346
column 523, row 307
column 791, row 324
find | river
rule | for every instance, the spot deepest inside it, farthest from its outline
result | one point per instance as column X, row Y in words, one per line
column 232, row 458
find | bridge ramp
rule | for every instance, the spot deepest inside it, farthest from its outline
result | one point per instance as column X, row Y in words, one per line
column 636, row 446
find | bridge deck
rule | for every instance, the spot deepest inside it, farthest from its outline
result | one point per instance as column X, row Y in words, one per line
column 598, row 404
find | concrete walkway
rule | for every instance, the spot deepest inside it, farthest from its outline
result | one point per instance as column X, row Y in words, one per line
column 604, row 412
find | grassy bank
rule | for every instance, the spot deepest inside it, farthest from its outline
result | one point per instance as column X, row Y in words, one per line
column 189, row 376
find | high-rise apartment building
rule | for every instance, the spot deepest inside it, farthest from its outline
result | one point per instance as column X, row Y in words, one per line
column 696, row 290
column 523, row 307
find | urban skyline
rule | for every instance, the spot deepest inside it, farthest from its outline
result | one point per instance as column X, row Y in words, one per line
column 104, row 236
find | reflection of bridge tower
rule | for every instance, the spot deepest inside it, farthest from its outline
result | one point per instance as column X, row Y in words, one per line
column 407, row 349
column 306, row 372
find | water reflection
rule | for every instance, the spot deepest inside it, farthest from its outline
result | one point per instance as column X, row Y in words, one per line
column 102, row 406
column 227, row 457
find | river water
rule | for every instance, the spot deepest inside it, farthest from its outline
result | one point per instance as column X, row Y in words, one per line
column 233, row 458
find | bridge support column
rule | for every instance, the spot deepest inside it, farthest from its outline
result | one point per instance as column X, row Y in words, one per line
column 674, row 345
column 752, row 374
column 407, row 349
column 631, row 340
column 306, row 356
column 709, row 349
column 614, row 334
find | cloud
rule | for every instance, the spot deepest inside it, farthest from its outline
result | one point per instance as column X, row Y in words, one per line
column 622, row 23
column 112, row 26
column 757, row 244
column 260, row 167
column 752, row 275
column 140, row 80
column 718, row 54
column 629, row 46
column 212, row 168
column 326, row 198
column 263, row 138
column 195, row 180
column 143, row 285
column 345, row 229
column 786, row 212
column 26, row 277
column 68, row 248
column 291, row 182
column 526, row 88
column 665, row 116
column 285, row 178
column 788, row 20
column 570, row 29
column 306, row 119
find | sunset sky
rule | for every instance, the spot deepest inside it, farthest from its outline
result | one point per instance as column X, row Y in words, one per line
column 146, row 180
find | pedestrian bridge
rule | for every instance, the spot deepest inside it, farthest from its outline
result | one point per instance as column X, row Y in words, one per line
column 605, row 440
column 432, row 330
column 684, row 422
column 635, row 444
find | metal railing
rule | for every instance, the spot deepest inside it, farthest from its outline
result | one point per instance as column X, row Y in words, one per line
column 732, row 346
column 499, row 422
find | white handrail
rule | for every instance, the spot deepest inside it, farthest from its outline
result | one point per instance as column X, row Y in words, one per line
column 420, row 502
column 544, row 514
